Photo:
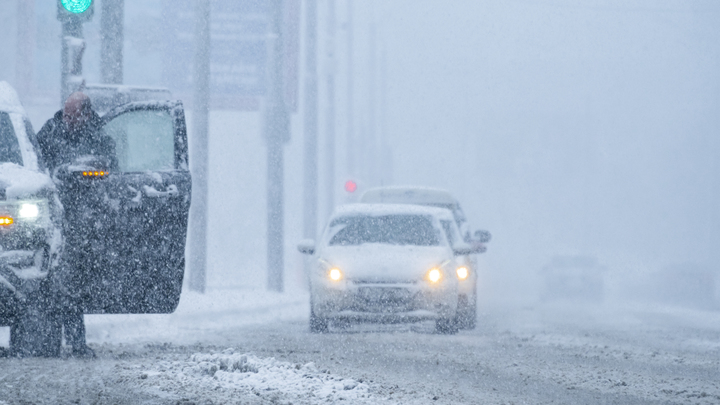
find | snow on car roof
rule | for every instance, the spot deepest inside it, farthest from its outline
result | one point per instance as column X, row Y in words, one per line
column 19, row 182
column 9, row 100
column 388, row 209
column 408, row 195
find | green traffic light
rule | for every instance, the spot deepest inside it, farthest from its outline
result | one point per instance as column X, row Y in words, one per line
column 76, row 6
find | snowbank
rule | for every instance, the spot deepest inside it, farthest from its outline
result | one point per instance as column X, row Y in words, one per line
column 266, row 378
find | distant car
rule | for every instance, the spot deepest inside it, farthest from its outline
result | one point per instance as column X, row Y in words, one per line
column 105, row 97
column 467, row 273
column 384, row 263
column 135, row 217
column 432, row 197
column 425, row 196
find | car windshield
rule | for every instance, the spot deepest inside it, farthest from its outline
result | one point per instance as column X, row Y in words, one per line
column 450, row 231
column 9, row 146
column 402, row 229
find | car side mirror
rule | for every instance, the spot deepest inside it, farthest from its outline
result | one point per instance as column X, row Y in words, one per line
column 306, row 246
column 462, row 250
column 483, row 236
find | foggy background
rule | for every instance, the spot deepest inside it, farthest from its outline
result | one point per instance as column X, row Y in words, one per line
column 563, row 127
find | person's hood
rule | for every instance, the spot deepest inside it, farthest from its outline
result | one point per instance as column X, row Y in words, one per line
column 385, row 263
column 18, row 182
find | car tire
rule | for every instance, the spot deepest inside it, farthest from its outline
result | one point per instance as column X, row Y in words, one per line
column 36, row 330
column 317, row 324
column 446, row 326
column 467, row 312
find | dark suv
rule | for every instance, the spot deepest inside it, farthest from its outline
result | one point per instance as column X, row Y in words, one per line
column 133, row 222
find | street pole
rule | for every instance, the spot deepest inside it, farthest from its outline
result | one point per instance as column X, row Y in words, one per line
column 201, row 110
column 111, row 41
column 276, row 128
column 370, row 142
column 311, row 122
column 330, row 117
column 350, row 141
column 24, row 61
column 72, row 40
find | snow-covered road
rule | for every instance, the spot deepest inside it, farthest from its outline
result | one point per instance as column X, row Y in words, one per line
column 244, row 346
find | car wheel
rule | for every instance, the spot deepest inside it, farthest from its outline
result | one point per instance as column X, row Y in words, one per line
column 467, row 312
column 36, row 329
column 318, row 324
column 446, row 326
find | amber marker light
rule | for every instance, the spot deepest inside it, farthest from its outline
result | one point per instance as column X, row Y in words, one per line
column 335, row 274
column 462, row 273
column 95, row 174
column 434, row 275
column 4, row 221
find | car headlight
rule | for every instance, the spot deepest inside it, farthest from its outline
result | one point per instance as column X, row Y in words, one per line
column 462, row 272
column 335, row 274
column 434, row 275
column 29, row 211
column 24, row 213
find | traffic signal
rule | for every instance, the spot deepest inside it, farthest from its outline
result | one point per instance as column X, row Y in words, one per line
column 75, row 11
column 350, row 186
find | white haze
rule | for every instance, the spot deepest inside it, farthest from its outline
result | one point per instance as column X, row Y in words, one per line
column 563, row 127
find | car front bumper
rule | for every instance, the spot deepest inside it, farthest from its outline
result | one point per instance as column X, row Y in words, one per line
column 385, row 303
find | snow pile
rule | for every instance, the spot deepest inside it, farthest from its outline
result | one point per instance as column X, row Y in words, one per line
column 266, row 378
column 9, row 100
column 23, row 183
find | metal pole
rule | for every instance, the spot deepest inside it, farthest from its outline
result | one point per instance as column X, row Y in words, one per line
column 201, row 107
column 371, row 143
column 70, row 29
column 330, row 124
column 24, row 61
column 351, row 148
column 277, row 132
column 311, row 121
column 111, row 41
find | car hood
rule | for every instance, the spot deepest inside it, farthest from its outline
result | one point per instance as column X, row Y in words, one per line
column 385, row 263
column 17, row 182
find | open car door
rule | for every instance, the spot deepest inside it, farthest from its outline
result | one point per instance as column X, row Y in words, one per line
column 139, row 261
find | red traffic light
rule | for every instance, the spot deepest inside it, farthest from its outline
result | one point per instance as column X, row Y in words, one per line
column 350, row 186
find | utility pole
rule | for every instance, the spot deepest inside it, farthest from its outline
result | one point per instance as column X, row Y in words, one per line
column 387, row 155
column 72, row 14
column 311, row 122
column 24, row 61
column 111, row 41
column 201, row 110
column 370, row 142
column 330, row 124
column 351, row 148
column 276, row 128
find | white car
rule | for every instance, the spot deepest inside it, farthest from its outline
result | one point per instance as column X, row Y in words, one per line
column 432, row 197
column 384, row 263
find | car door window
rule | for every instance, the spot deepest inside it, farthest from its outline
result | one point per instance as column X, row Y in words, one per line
column 9, row 146
column 144, row 140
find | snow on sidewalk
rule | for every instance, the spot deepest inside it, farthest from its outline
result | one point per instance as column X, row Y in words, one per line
column 200, row 316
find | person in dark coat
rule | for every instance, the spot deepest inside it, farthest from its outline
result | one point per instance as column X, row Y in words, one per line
column 73, row 132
